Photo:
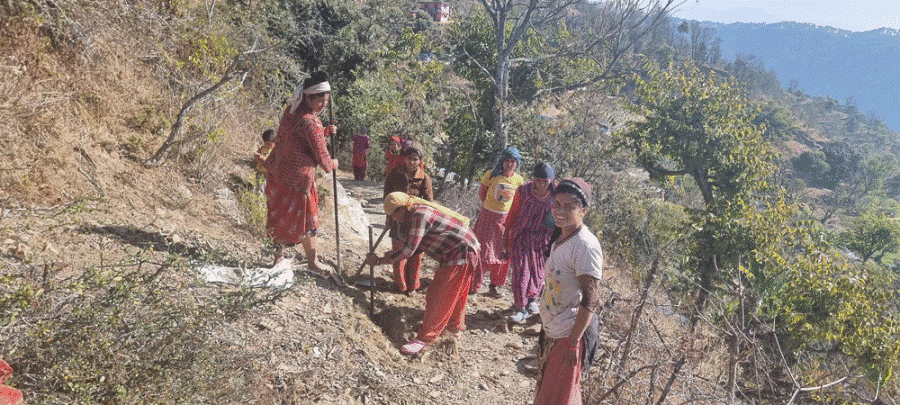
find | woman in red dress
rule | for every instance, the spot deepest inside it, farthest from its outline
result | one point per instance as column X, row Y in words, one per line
column 292, row 200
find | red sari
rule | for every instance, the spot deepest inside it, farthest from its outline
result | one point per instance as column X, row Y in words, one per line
column 292, row 200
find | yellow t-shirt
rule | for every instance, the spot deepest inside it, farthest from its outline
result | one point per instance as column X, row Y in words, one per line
column 500, row 191
column 261, row 154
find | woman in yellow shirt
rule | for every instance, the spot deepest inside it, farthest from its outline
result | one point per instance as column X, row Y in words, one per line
column 498, row 187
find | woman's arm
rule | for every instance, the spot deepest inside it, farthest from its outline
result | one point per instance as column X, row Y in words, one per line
column 590, row 302
column 315, row 138
column 514, row 209
column 393, row 182
column 417, row 230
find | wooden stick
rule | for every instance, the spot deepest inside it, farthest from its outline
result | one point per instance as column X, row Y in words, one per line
column 337, row 222
column 372, row 248
column 372, row 275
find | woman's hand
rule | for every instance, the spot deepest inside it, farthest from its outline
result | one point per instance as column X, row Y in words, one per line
column 570, row 351
column 330, row 130
column 371, row 259
column 335, row 163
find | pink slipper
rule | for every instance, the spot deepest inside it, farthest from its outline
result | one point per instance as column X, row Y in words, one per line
column 414, row 346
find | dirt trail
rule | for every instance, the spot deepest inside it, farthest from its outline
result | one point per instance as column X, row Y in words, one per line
column 492, row 363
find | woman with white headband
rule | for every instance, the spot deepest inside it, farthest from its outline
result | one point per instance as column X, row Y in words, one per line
column 292, row 200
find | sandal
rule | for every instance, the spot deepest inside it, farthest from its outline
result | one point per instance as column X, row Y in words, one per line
column 414, row 346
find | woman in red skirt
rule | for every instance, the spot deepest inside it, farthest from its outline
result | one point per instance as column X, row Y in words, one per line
column 498, row 187
column 292, row 200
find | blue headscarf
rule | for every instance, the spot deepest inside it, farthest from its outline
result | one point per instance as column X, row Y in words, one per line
column 509, row 153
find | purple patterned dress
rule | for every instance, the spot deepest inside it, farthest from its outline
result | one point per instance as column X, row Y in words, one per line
column 528, row 239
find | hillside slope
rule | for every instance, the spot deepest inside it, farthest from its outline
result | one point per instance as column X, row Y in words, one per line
column 99, row 291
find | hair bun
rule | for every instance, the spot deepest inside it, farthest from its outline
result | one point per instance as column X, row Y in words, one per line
column 314, row 79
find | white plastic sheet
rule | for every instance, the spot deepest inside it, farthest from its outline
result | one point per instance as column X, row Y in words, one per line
column 280, row 276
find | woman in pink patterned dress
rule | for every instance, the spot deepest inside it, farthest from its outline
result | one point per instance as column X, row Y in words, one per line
column 528, row 228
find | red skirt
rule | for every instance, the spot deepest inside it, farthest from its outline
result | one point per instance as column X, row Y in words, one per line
column 489, row 229
column 359, row 160
column 293, row 212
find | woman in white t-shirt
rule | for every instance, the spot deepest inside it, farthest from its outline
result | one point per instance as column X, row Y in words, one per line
column 570, row 298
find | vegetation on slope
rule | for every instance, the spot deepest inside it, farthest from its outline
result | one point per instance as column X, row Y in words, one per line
column 794, row 284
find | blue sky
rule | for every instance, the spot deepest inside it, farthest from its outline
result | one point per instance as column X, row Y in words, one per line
column 852, row 15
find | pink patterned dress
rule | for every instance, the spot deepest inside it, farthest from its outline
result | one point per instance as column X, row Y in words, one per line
column 529, row 234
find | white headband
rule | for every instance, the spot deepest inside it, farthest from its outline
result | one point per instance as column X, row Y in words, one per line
column 319, row 88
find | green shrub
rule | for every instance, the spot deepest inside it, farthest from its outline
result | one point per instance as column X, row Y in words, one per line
column 127, row 333
column 253, row 205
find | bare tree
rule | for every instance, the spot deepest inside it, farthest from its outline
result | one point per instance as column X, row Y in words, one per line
column 236, row 69
column 611, row 33
column 609, row 37
column 511, row 19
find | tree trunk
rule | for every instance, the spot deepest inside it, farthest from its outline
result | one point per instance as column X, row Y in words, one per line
column 700, row 177
column 707, row 270
column 501, row 92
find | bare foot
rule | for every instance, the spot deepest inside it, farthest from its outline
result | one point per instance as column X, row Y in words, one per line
column 317, row 265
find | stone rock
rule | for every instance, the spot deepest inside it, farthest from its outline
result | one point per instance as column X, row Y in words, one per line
column 229, row 206
column 21, row 251
column 533, row 330
column 515, row 345
column 51, row 248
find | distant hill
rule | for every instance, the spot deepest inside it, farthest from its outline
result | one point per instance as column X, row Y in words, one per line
column 825, row 61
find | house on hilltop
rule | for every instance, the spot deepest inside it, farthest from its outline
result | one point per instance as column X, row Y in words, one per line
column 438, row 10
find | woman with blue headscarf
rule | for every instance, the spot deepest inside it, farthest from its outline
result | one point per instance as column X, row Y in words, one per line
column 498, row 187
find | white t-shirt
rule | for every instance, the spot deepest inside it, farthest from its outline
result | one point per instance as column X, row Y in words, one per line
column 579, row 255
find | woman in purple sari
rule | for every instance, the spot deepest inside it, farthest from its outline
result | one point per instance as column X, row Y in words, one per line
column 528, row 229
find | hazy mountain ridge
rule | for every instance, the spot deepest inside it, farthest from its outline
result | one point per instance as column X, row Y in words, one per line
column 825, row 61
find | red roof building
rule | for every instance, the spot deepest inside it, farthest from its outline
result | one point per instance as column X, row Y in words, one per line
column 438, row 10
